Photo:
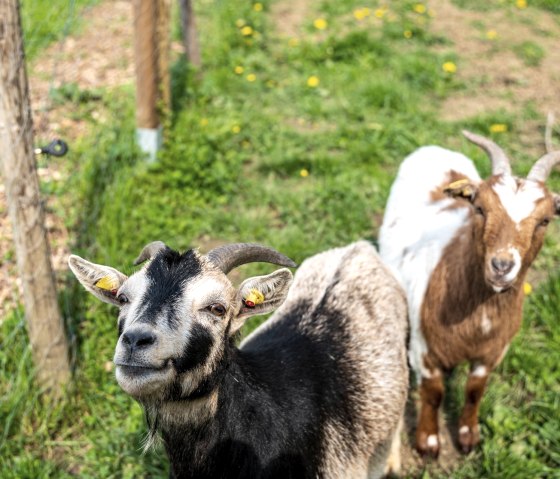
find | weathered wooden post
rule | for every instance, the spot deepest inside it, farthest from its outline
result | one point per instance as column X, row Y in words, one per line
column 190, row 36
column 151, row 48
column 44, row 321
column 148, row 128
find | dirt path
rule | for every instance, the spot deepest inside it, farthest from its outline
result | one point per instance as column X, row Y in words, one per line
column 490, row 63
column 99, row 56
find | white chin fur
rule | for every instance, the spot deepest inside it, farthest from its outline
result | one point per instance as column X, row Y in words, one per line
column 143, row 384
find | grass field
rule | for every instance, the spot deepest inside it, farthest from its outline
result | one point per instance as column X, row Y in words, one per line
column 291, row 140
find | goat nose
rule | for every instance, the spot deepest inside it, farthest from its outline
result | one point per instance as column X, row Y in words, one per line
column 138, row 339
column 502, row 266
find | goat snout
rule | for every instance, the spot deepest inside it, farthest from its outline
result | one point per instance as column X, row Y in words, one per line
column 137, row 339
column 502, row 266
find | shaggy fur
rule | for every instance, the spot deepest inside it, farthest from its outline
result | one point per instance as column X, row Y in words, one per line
column 316, row 392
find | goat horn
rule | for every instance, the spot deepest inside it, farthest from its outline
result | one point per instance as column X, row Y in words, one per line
column 149, row 251
column 230, row 256
column 542, row 168
column 500, row 162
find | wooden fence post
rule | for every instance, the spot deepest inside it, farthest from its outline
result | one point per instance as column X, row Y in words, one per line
column 151, row 50
column 190, row 35
column 44, row 321
column 163, row 47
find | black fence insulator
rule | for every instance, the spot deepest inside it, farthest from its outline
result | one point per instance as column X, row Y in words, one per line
column 55, row 148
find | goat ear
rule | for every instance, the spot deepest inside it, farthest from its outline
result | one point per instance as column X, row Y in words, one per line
column 261, row 295
column 461, row 189
column 102, row 281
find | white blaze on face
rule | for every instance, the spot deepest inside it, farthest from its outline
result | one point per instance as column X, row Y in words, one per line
column 516, row 265
column 519, row 200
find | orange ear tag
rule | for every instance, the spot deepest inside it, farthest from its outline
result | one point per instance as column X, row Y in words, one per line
column 253, row 298
column 108, row 283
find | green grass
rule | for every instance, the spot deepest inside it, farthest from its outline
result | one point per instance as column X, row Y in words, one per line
column 530, row 53
column 45, row 22
column 231, row 170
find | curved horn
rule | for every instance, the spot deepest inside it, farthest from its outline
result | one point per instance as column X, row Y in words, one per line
column 542, row 168
column 149, row 251
column 232, row 255
column 500, row 162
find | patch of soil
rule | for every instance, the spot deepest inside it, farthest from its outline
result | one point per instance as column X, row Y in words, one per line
column 497, row 77
column 98, row 56
column 289, row 16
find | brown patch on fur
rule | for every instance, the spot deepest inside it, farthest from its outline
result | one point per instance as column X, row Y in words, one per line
column 452, row 311
column 462, row 318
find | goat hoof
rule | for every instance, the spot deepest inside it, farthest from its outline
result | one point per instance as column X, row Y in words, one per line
column 468, row 438
column 428, row 445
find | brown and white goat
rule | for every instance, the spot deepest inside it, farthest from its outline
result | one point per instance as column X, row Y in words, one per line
column 316, row 392
column 461, row 247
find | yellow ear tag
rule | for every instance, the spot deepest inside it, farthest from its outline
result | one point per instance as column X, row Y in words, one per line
column 253, row 298
column 457, row 184
column 108, row 283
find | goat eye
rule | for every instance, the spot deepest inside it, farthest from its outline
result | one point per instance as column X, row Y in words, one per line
column 544, row 222
column 122, row 298
column 217, row 309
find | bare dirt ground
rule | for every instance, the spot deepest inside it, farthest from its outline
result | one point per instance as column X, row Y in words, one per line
column 498, row 78
column 100, row 55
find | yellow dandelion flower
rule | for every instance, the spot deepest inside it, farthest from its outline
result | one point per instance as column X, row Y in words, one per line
column 246, row 31
column 420, row 8
column 251, row 77
column 320, row 24
column 239, row 69
column 449, row 67
column 527, row 288
column 379, row 13
column 521, row 4
column 293, row 42
column 313, row 81
column 407, row 34
column 203, row 121
column 491, row 34
column 257, row 7
column 239, row 23
column 361, row 13
column 498, row 128
column 236, row 129
column 304, row 173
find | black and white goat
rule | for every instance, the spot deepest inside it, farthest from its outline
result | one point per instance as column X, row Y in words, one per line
column 316, row 392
